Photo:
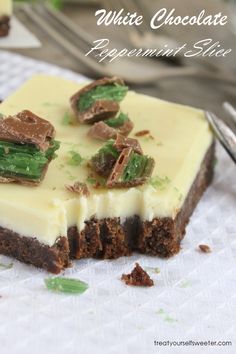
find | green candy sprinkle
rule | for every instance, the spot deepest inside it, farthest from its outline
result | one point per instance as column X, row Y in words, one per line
column 75, row 159
column 66, row 285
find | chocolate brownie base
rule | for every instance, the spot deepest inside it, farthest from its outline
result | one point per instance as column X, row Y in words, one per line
column 29, row 250
column 110, row 238
column 4, row 25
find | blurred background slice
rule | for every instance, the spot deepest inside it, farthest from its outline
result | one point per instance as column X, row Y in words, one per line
column 196, row 91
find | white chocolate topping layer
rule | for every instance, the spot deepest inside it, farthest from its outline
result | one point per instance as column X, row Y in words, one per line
column 181, row 137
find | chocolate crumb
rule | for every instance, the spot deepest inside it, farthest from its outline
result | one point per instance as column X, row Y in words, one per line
column 204, row 248
column 142, row 133
column 79, row 188
column 138, row 277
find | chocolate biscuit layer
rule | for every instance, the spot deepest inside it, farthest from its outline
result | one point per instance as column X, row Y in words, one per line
column 30, row 250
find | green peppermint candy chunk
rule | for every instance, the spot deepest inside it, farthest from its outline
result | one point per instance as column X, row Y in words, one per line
column 110, row 92
column 130, row 170
column 139, row 167
column 25, row 161
column 66, row 285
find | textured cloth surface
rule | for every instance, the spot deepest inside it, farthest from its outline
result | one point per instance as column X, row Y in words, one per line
column 194, row 297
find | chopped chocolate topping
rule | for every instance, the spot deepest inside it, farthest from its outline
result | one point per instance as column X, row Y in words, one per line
column 117, row 172
column 122, row 123
column 103, row 162
column 102, row 131
column 130, row 170
column 100, row 82
column 27, row 128
column 138, row 277
column 79, row 188
column 122, row 143
column 100, row 108
column 142, row 133
column 204, row 248
column 26, row 148
column 23, row 163
column 126, row 128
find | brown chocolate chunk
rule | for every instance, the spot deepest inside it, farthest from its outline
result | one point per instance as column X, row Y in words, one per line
column 122, row 143
column 79, row 188
column 204, row 248
column 120, row 165
column 126, row 128
column 100, row 110
column 138, row 277
column 142, row 133
column 102, row 164
column 102, row 131
column 27, row 128
column 115, row 178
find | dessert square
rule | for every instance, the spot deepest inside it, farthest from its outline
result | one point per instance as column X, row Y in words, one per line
column 49, row 224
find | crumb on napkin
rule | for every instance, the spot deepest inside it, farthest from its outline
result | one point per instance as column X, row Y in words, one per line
column 138, row 277
column 204, row 248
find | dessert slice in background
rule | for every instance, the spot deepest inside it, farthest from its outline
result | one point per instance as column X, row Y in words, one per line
column 5, row 16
